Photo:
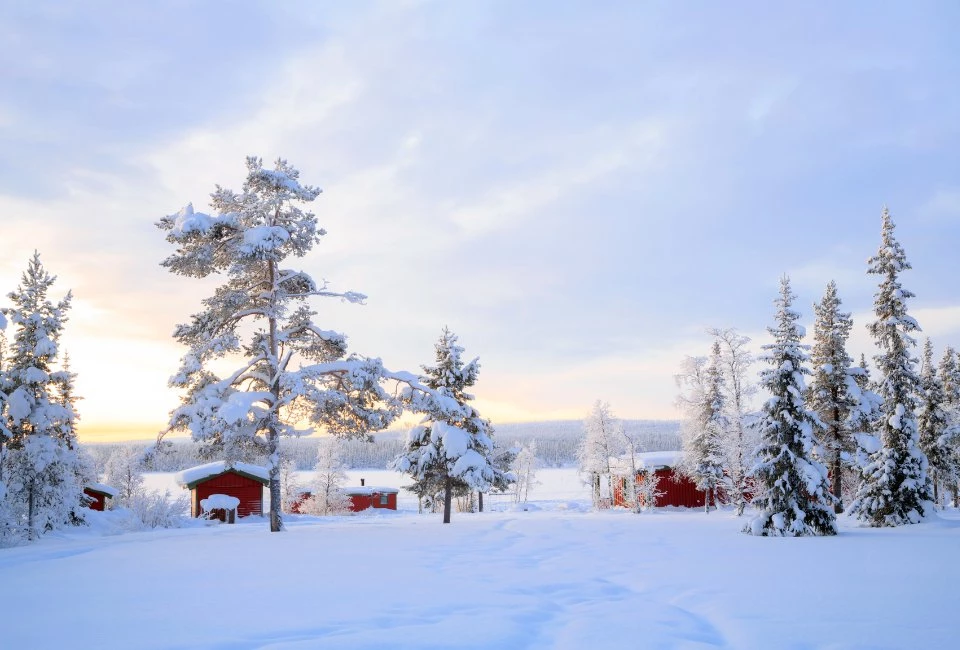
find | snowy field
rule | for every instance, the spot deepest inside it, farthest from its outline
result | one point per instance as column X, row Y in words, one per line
column 554, row 576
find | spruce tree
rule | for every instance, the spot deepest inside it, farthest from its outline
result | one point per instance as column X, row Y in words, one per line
column 43, row 469
column 832, row 393
column 894, row 487
column 936, row 430
column 705, row 450
column 450, row 450
column 793, row 496
column 949, row 371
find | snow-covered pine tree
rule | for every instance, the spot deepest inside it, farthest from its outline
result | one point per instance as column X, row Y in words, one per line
column 740, row 440
column 704, row 448
column 949, row 371
column 894, row 487
column 603, row 438
column 830, row 394
column 449, row 451
column 936, row 429
column 292, row 376
column 794, row 496
column 43, row 469
column 863, row 424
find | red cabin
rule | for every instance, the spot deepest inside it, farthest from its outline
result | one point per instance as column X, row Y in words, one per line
column 97, row 495
column 240, row 480
column 675, row 489
column 363, row 497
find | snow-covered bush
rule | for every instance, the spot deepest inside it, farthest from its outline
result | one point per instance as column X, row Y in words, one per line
column 158, row 510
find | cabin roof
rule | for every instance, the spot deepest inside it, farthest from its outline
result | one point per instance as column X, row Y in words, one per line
column 368, row 490
column 646, row 460
column 101, row 488
column 189, row 478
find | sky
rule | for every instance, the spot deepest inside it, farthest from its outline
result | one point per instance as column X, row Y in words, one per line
column 577, row 190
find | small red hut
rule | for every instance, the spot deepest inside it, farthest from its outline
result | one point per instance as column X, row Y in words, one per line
column 240, row 480
column 674, row 489
column 97, row 495
column 364, row 497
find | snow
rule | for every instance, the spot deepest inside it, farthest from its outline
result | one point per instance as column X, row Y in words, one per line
column 101, row 487
column 200, row 472
column 546, row 574
column 219, row 502
column 646, row 460
column 239, row 404
column 19, row 404
column 368, row 490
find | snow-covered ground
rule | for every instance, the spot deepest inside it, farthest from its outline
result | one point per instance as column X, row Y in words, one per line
column 554, row 576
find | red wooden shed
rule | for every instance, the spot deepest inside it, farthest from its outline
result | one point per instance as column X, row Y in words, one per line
column 364, row 497
column 675, row 489
column 97, row 495
column 240, row 480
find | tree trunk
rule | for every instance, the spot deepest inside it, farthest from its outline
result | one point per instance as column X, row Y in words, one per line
column 273, row 437
column 30, row 515
column 447, row 498
column 837, row 468
column 837, row 477
column 480, row 501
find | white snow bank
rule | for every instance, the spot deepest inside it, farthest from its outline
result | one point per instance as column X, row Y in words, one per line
column 201, row 472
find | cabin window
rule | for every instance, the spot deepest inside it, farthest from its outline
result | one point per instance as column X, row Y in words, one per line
column 384, row 500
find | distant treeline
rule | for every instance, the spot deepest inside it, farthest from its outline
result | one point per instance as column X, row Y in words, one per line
column 557, row 443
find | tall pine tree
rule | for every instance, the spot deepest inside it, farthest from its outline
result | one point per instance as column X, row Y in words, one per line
column 43, row 469
column 292, row 376
column 833, row 392
column 894, row 487
column 793, row 494
column 949, row 371
column 704, row 449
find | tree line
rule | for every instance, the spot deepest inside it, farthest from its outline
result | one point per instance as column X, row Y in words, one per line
column 880, row 443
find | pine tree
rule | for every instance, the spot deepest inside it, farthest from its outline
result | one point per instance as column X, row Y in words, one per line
column 793, row 493
column 832, row 393
column 894, row 487
column 936, row 430
column 704, row 451
column 949, row 371
column 863, row 422
column 43, row 469
column 292, row 377
column 603, row 439
column 449, row 451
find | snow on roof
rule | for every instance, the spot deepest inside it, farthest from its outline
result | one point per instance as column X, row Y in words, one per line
column 190, row 477
column 368, row 491
column 219, row 502
column 646, row 460
column 102, row 489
